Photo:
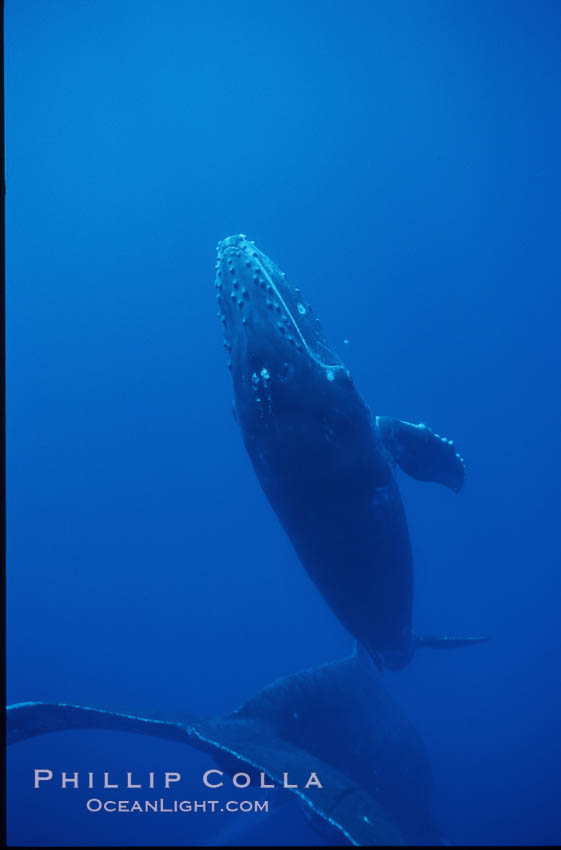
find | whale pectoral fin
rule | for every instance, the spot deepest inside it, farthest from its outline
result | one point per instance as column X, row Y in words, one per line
column 28, row 719
column 421, row 453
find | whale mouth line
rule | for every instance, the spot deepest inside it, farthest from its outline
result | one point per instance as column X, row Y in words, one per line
column 289, row 313
column 250, row 252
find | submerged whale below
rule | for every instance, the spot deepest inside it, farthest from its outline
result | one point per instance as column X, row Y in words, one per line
column 325, row 464
column 336, row 720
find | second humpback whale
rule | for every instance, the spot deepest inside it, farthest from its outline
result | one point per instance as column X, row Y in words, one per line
column 337, row 720
column 325, row 464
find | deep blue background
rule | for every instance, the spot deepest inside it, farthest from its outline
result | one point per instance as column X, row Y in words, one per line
column 401, row 162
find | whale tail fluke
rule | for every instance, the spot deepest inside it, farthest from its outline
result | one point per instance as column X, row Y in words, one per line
column 447, row 642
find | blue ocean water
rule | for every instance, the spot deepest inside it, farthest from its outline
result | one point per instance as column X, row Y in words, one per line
column 400, row 162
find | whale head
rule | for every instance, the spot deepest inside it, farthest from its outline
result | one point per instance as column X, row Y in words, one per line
column 279, row 356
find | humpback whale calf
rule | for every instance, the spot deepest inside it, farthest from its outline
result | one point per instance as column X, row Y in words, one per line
column 325, row 464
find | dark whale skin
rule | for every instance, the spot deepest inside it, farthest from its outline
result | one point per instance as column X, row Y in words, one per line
column 316, row 452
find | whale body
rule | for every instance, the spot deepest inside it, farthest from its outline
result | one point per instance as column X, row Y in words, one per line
column 324, row 462
column 337, row 720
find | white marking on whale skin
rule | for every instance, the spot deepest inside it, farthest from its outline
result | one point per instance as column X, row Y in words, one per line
column 298, row 331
